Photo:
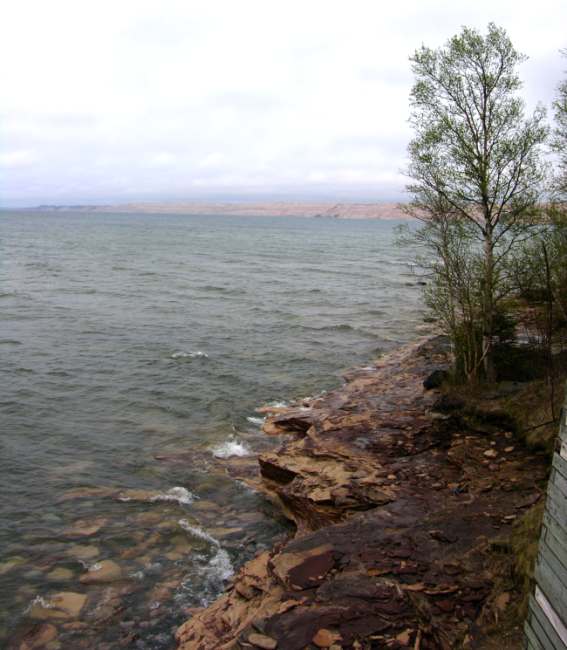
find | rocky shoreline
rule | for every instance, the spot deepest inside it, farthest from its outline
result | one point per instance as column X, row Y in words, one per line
column 399, row 505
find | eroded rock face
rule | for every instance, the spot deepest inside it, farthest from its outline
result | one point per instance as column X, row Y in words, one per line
column 395, row 507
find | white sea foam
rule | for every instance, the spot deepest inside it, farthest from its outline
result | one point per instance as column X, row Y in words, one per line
column 198, row 532
column 221, row 565
column 137, row 575
column 231, row 447
column 179, row 494
column 257, row 421
column 181, row 354
column 38, row 600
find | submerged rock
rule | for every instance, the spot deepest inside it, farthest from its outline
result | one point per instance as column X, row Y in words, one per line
column 63, row 605
column 39, row 636
column 86, row 527
column 105, row 571
column 60, row 574
column 83, row 552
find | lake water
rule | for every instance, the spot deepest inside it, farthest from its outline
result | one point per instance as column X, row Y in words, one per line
column 133, row 348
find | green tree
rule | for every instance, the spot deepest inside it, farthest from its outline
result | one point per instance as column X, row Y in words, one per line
column 559, row 140
column 475, row 159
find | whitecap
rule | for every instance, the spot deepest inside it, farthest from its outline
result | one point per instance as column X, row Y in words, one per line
column 231, row 447
column 257, row 421
column 181, row 354
column 179, row 494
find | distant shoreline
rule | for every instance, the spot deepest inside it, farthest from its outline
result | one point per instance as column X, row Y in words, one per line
column 325, row 210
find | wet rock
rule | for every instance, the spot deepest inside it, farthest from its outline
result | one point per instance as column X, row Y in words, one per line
column 105, row 571
column 85, row 552
column 60, row 574
column 87, row 492
column 10, row 564
column 86, row 527
column 39, row 636
column 63, row 605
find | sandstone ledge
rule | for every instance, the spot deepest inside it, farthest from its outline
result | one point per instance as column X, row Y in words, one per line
column 396, row 508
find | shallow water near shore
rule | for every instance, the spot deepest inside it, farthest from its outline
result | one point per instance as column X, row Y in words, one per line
column 133, row 352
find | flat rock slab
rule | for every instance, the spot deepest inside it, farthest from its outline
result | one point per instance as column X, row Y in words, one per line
column 395, row 507
column 65, row 605
column 105, row 571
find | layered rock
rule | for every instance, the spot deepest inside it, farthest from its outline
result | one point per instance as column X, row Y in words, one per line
column 396, row 507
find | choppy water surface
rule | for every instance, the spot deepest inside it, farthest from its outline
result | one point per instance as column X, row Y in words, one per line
column 132, row 349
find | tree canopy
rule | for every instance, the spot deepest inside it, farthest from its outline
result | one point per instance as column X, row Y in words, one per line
column 475, row 160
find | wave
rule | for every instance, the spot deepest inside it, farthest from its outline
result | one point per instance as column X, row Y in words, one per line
column 257, row 421
column 230, row 448
column 219, row 567
column 179, row 494
column 181, row 354
column 197, row 531
column 341, row 327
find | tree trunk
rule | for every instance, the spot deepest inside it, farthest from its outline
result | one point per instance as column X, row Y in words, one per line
column 488, row 316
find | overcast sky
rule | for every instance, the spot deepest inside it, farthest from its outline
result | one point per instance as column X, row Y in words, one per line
column 113, row 101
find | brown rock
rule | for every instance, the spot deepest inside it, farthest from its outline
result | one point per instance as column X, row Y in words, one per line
column 263, row 641
column 86, row 527
column 39, row 636
column 326, row 638
column 63, row 605
column 83, row 552
column 105, row 571
column 60, row 574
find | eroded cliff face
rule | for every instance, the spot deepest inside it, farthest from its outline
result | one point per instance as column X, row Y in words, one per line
column 396, row 507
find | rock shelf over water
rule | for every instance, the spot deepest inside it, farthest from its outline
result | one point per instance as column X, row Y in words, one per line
column 397, row 507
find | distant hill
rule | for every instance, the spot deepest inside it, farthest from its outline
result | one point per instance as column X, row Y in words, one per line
column 271, row 209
